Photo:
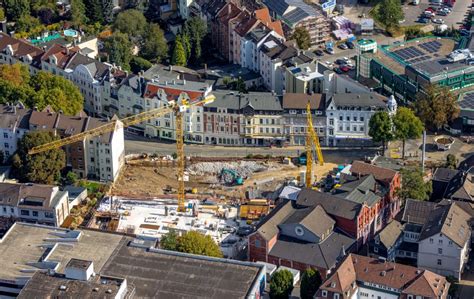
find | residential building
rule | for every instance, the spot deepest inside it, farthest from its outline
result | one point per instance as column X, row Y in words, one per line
column 34, row 203
column 298, row 13
column 363, row 277
column 446, row 182
column 386, row 242
column 295, row 115
column 221, row 28
column 304, row 78
column 389, row 179
column 92, row 263
column 445, row 240
column 299, row 237
column 348, row 116
column 13, row 125
column 14, row 50
column 99, row 157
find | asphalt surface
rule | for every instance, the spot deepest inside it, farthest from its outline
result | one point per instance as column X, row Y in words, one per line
column 138, row 145
column 455, row 18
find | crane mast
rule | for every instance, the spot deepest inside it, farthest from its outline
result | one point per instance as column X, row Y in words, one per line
column 312, row 142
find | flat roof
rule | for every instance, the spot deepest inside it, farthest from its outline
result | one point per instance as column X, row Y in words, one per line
column 166, row 274
column 29, row 247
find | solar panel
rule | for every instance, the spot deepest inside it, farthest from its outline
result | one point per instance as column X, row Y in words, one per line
column 467, row 102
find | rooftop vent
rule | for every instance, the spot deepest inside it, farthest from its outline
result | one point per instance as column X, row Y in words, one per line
column 62, row 287
column 333, row 284
column 383, row 273
column 109, row 291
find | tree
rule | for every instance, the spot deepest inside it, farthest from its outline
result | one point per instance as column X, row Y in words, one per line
column 451, row 161
column 310, row 283
column 57, row 92
column 187, row 46
column 15, row 9
column 380, row 128
column 119, row 48
column 71, row 178
column 42, row 168
column 196, row 29
column 239, row 85
column 78, row 13
column 17, row 74
column 197, row 243
column 302, row 38
column 2, row 14
column 413, row 185
column 94, row 11
column 138, row 64
column 155, row 47
column 281, row 284
column 436, row 107
column 131, row 22
column 413, row 32
column 407, row 126
column 46, row 15
column 108, row 10
column 169, row 241
column 28, row 23
column 179, row 55
column 389, row 12
column 2, row 157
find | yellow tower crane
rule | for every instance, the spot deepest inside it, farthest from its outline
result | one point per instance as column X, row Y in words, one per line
column 176, row 107
column 312, row 142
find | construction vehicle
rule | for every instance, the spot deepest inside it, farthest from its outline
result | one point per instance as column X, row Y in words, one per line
column 254, row 209
column 312, row 143
column 230, row 177
column 176, row 107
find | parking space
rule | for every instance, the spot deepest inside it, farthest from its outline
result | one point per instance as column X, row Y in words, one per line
column 454, row 18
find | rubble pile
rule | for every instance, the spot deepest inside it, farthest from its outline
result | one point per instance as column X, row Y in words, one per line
column 243, row 168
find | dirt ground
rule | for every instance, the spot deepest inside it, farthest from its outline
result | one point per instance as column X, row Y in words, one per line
column 146, row 181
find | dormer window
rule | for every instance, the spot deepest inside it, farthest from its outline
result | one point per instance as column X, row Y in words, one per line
column 9, row 50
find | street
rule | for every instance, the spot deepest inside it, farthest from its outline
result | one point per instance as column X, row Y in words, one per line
column 136, row 144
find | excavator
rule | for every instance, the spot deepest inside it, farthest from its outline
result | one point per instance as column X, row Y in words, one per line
column 230, row 177
column 178, row 107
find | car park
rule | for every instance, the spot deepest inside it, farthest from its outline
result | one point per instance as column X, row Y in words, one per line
column 319, row 52
column 343, row 46
column 330, row 51
column 438, row 21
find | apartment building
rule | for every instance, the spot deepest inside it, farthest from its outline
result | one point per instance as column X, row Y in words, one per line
column 14, row 50
column 295, row 114
column 348, row 116
column 364, row 277
column 34, row 203
column 221, row 28
column 13, row 125
column 304, row 78
column 99, row 157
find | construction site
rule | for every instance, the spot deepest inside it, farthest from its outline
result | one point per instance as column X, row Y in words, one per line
column 219, row 197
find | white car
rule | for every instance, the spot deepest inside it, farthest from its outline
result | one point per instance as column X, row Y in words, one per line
column 438, row 21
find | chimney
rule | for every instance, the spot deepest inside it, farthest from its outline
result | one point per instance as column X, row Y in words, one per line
column 171, row 68
column 79, row 269
column 67, row 50
column 229, row 9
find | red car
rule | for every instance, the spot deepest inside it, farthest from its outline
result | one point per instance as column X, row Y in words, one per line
column 344, row 68
column 431, row 9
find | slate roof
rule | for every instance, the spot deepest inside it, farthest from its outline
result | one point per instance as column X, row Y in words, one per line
column 466, row 191
column 324, row 255
column 359, row 100
column 381, row 174
column 14, row 116
column 314, row 219
column 268, row 227
column 444, row 174
column 417, row 211
column 467, row 163
column 21, row 49
column 260, row 101
column 390, row 233
column 333, row 205
column 360, row 191
column 300, row 100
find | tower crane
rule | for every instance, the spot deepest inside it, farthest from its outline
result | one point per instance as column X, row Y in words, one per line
column 176, row 107
column 312, row 142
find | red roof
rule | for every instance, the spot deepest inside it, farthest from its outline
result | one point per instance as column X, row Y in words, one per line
column 172, row 93
column 264, row 16
column 381, row 174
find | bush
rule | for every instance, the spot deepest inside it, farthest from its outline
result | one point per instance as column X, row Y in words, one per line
column 310, row 283
column 138, row 64
column 281, row 284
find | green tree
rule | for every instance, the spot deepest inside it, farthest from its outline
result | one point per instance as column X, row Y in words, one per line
column 196, row 29
column 2, row 157
column 155, row 47
column 78, row 13
column 27, row 24
column 179, row 55
column 169, row 241
column 15, row 9
column 281, row 284
column 197, row 243
column 451, row 161
column 380, row 128
column 310, row 283
column 71, row 178
column 239, row 85
column 436, row 107
column 187, row 46
column 389, row 12
column 302, row 38
column 94, row 11
column 138, row 64
column 108, row 10
column 56, row 91
column 413, row 32
column 131, row 22
column 17, row 74
column 119, row 48
column 42, row 168
column 407, row 126
column 2, row 14
column 413, row 185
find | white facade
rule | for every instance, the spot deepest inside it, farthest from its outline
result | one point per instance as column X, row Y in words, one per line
column 184, row 8
column 441, row 255
column 9, row 139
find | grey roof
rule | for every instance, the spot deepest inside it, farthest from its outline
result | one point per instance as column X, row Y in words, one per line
column 451, row 221
column 292, row 17
column 14, row 116
column 333, row 205
column 417, row 211
column 360, row 190
column 258, row 100
column 314, row 219
column 390, row 234
column 324, row 255
column 166, row 274
column 359, row 100
column 467, row 163
column 466, row 191
column 97, row 69
column 444, row 174
column 438, row 66
column 268, row 227
column 258, row 33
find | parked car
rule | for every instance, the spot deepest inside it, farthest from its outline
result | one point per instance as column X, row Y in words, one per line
column 441, row 13
column 330, row 51
column 339, row 61
column 350, row 45
column 319, row 52
column 438, row 21
column 344, row 68
column 349, row 65
column 338, row 71
column 343, row 46
column 423, row 20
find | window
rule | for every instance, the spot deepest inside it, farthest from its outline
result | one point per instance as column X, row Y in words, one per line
column 324, row 293
column 440, row 262
column 5, row 135
column 440, row 250
column 48, row 215
column 440, row 241
column 331, row 131
column 348, row 128
column 4, row 210
column 257, row 243
column 376, row 249
column 25, row 212
column 35, row 213
column 410, row 297
column 348, row 118
column 450, row 242
column 336, row 296
column 361, row 118
column 6, row 145
column 431, row 240
column 331, row 122
column 340, row 117
column 355, row 118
